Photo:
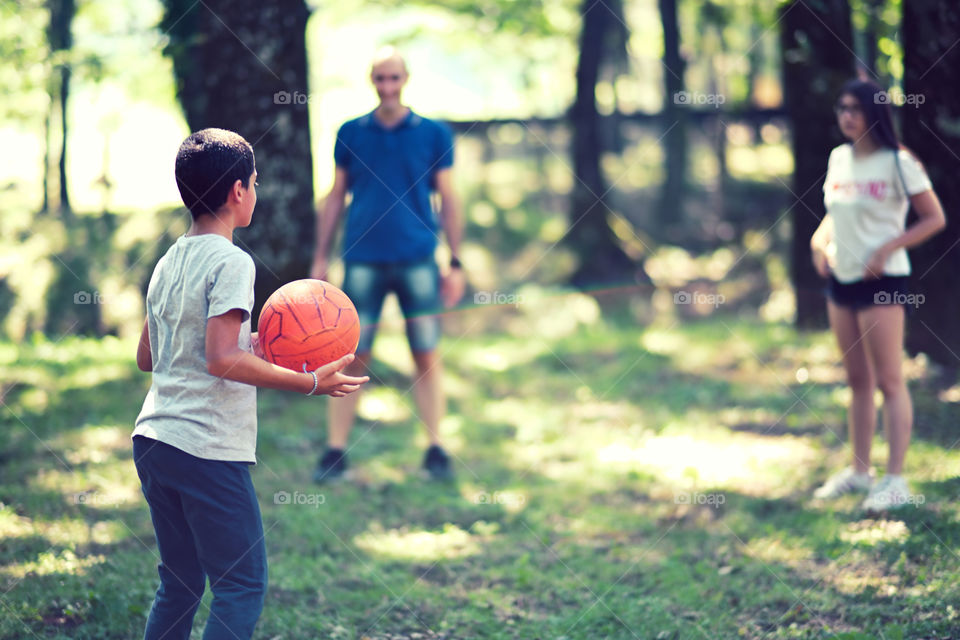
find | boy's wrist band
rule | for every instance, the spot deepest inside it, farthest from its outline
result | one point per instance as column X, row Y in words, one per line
column 316, row 381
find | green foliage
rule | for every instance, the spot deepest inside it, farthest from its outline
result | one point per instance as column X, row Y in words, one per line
column 531, row 18
column 24, row 65
column 82, row 276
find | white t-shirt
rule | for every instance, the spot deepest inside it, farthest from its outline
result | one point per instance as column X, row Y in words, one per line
column 209, row 417
column 865, row 198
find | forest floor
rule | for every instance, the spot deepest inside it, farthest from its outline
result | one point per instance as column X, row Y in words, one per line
column 614, row 479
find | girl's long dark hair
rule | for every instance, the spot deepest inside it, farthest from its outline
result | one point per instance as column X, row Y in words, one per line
column 875, row 104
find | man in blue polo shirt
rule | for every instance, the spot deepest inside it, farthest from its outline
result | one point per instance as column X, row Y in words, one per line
column 392, row 160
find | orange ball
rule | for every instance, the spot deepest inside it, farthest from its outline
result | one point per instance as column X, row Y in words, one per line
column 308, row 322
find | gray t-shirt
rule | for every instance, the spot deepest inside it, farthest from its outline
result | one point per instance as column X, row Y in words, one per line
column 209, row 417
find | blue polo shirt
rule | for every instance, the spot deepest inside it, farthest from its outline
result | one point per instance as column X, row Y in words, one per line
column 391, row 174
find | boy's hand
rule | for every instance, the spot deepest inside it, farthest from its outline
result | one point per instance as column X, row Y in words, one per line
column 333, row 382
column 255, row 344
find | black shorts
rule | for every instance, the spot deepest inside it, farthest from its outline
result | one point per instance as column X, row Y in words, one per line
column 865, row 293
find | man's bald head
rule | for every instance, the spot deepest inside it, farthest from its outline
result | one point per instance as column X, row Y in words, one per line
column 390, row 57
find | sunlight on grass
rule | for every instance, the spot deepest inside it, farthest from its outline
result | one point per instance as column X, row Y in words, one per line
column 107, row 485
column 551, row 314
column 775, row 551
column 67, row 532
column 383, row 404
column 503, row 355
column 688, row 355
column 49, row 563
column 751, row 464
column 872, row 532
column 13, row 525
column 950, row 395
column 93, row 444
column 403, row 544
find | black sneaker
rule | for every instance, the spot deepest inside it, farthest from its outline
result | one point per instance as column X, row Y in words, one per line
column 437, row 463
column 331, row 466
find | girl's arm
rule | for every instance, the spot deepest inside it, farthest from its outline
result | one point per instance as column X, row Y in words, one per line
column 819, row 242
column 930, row 221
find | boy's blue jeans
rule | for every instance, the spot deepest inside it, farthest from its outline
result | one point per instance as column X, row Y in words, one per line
column 207, row 521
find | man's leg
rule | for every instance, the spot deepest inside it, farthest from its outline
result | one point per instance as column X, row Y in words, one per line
column 418, row 290
column 428, row 392
column 342, row 411
column 366, row 286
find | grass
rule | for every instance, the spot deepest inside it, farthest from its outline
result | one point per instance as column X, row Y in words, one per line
column 613, row 481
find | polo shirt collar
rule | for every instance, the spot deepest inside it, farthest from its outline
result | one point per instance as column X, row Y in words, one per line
column 411, row 120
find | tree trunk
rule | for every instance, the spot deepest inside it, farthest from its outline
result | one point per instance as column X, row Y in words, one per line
column 602, row 260
column 60, row 38
column 932, row 70
column 242, row 65
column 670, row 206
column 815, row 44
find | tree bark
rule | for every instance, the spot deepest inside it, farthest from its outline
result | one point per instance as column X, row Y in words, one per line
column 60, row 36
column 932, row 130
column 670, row 206
column 602, row 259
column 242, row 65
column 815, row 42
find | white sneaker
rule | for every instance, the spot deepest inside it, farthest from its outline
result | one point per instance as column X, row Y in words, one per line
column 891, row 492
column 842, row 483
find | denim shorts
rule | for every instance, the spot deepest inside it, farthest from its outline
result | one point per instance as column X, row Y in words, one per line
column 865, row 293
column 417, row 285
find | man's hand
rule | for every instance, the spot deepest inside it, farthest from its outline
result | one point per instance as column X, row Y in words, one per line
column 875, row 264
column 333, row 382
column 318, row 270
column 452, row 286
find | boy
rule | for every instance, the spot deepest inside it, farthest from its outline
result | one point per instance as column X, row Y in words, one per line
column 196, row 434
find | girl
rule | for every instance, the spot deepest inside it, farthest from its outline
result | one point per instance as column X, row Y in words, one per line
column 860, row 246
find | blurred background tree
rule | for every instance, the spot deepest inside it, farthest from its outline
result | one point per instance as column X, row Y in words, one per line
column 243, row 66
column 817, row 60
column 931, row 128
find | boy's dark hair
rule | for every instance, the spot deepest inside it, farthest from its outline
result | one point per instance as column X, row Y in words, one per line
column 209, row 162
